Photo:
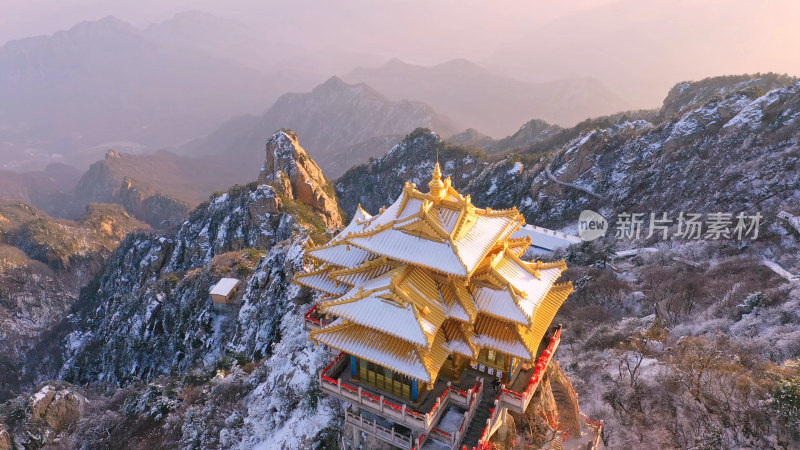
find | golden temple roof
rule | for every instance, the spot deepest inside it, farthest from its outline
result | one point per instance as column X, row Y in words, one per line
column 432, row 275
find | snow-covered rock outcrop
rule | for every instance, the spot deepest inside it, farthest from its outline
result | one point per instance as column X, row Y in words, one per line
column 289, row 168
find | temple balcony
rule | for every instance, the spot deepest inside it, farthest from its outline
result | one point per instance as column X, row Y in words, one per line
column 416, row 422
column 420, row 417
column 314, row 320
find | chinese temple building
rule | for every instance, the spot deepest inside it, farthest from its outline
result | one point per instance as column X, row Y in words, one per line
column 423, row 302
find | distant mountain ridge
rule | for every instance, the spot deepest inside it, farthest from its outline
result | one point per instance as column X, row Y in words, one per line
column 475, row 97
column 159, row 188
column 333, row 118
column 107, row 81
column 714, row 130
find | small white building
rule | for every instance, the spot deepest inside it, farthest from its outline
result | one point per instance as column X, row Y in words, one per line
column 544, row 241
column 222, row 292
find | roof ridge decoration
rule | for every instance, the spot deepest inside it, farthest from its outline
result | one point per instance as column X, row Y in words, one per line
column 431, row 275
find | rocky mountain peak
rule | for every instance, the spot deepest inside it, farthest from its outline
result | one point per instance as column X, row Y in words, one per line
column 336, row 86
column 379, row 182
column 295, row 175
column 687, row 95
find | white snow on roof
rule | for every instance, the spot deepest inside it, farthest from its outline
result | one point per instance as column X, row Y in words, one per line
column 224, row 286
column 547, row 239
column 373, row 350
column 499, row 303
column 449, row 217
column 405, row 247
column 321, row 282
column 459, row 346
column 524, row 281
column 514, row 348
column 480, row 239
column 456, row 311
column 356, row 225
column 339, row 255
column 363, row 276
column 383, row 315
column 412, row 207
column 388, row 215
column 377, row 283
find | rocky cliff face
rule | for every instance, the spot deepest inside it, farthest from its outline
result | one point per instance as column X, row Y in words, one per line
column 289, row 168
column 44, row 262
column 196, row 375
column 157, row 189
column 378, row 183
column 156, row 287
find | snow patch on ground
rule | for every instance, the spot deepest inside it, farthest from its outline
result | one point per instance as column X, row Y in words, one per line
column 452, row 420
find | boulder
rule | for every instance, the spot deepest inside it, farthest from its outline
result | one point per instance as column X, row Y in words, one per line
column 59, row 408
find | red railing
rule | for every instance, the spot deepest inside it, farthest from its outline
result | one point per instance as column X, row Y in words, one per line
column 325, row 376
column 475, row 390
column 333, row 361
column 541, row 366
column 369, row 396
column 311, row 319
column 419, row 442
column 597, row 423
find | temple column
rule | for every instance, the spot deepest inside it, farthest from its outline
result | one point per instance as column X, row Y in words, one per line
column 353, row 366
column 457, row 366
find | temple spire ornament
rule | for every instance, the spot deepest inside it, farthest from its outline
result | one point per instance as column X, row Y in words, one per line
column 436, row 186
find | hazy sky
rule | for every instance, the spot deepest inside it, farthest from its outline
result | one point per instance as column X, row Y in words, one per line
column 22, row 18
column 637, row 47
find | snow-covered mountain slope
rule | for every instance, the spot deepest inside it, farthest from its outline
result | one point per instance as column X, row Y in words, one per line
column 695, row 343
column 379, row 182
column 195, row 374
column 734, row 148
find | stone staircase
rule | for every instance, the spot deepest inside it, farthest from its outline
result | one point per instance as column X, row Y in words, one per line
column 478, row 423
column 566, row 402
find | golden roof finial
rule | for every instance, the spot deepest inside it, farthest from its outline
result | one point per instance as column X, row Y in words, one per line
column 436, row 186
